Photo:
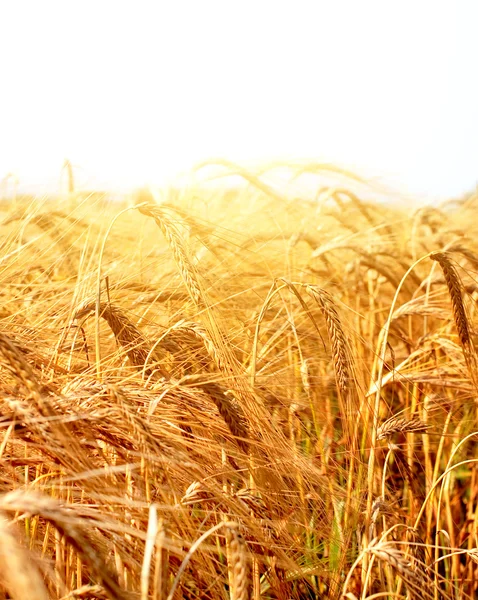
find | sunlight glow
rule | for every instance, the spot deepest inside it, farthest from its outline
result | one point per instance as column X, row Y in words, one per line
column 133, row 93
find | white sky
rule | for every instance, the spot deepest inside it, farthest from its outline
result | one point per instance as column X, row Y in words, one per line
column 132, row 92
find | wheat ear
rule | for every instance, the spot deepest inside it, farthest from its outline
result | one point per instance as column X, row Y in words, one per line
column 454, row 288
column 172, row 233
column 199, row 333
column 237, row 563
column 128, row 336
column 400, row 425
column 336, row 333
column 388, row 553
column 231, row 412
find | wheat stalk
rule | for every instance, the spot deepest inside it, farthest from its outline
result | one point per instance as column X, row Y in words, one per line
column 56, row 435
column 63, row 520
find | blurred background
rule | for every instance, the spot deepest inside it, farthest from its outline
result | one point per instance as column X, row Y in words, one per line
column 133, row 94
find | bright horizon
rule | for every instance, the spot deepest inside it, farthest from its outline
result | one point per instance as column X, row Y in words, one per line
column 135, row 94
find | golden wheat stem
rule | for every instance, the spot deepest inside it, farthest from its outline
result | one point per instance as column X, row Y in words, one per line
column 189, row 555
column 383, row 343
column 148, row 551
column 98, row 290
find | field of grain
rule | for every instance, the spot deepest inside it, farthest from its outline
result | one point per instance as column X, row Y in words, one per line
column 229, row 393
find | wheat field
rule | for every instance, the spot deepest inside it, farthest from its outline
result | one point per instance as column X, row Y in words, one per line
column 229, row 393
